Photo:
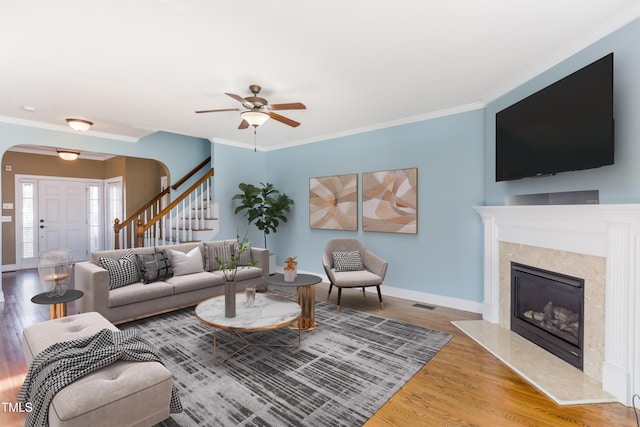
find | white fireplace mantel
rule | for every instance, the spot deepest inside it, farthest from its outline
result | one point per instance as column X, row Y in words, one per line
column 608, row 231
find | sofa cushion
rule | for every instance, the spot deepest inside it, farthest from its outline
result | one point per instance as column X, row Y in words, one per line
column 243, row 273
column 36, row 338
column 154, row 267
column 357, row 279
column 122, row 271
column 195, row 281
column 188, row 263
column 138, row 292
column 347, row 261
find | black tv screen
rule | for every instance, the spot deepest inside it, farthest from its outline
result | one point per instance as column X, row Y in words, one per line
column 566, row 126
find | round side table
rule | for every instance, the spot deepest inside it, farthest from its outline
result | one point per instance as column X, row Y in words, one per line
column 306, row 296
column 58, row 304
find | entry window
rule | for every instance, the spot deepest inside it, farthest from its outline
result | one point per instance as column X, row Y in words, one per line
column 95, row 235
column 28, row 230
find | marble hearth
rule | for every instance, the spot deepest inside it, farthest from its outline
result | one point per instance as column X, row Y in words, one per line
column 596, row 242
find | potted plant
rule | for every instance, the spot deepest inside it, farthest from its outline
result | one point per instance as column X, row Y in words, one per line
column 264, row 205
column 230, row 267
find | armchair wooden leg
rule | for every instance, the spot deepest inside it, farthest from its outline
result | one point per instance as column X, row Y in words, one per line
column 339, row 295
column 380, row 297
column 330, row 286
column 363, row 294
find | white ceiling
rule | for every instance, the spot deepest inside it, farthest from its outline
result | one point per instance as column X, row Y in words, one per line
column 135, row 67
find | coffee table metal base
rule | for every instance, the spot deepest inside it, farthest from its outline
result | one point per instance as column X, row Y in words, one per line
column 219, row 361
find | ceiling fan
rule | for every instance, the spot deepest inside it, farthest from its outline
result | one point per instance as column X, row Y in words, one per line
column 257, row 110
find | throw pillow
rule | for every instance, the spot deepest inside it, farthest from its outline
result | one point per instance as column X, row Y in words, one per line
column 122, row 271
column 154, row 267
column 245, row 257
column 347, row 261
column 224, row 252
column 186, row 263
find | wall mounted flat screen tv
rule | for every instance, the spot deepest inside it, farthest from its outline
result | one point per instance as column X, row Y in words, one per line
column 566, row 126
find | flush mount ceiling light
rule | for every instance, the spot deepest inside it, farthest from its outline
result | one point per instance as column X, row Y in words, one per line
column 79, row 124
column 68, row 154
column 254, row 118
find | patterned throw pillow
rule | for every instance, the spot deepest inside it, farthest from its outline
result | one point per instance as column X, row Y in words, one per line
column 224, row 252
column 245, row 257
column 154, row 267
column 347, row 261
column 122, row 271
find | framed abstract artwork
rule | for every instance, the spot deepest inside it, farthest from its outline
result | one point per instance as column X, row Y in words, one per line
column 333, row 202
column 390, row 201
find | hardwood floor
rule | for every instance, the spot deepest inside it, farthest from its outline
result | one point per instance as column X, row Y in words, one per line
column 463, row 385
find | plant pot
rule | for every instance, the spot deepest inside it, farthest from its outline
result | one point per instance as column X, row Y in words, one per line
column 229, row 298
column 289, row 275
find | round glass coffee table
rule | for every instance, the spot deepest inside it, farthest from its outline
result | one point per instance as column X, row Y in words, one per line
column 306, row 296
column 268, row 312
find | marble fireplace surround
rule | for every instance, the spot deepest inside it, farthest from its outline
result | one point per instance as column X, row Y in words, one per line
column 596, row 242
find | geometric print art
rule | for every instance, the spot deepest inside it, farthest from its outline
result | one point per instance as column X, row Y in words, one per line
column 390, row 201
column 333, row 202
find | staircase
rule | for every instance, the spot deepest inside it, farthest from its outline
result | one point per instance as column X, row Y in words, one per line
column 191, row 216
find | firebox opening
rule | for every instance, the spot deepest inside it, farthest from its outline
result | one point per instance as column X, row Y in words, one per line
column 547, row 308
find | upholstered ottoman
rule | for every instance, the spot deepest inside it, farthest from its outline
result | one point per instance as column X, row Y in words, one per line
column 121, row 394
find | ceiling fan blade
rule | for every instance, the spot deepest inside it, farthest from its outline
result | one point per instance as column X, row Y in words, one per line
column 285, row 120
column 243, row 124
column 289, row 106
column 238, row 98
column 217, row 111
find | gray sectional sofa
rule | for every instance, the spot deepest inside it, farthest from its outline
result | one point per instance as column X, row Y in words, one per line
column 169, row 277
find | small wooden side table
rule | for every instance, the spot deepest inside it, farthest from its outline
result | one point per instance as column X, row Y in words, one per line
column 306, row 296
column 57, row 304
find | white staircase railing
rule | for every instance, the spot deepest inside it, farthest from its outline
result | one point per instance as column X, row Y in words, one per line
column 176, row 223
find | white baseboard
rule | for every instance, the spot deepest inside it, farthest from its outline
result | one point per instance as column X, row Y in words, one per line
column 9, row 267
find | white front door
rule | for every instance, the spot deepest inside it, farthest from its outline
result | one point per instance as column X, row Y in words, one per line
column 62, row 216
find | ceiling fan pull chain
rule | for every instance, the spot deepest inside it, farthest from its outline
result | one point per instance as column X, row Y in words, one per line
column 255, row 128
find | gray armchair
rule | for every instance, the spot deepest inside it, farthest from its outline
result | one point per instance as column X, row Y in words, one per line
column 340, row 262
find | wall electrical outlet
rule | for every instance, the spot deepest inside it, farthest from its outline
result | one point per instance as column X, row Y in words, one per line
column 6, row 218
column 7, row 206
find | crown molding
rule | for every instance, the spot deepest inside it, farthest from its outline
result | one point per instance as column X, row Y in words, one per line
column 65, row 128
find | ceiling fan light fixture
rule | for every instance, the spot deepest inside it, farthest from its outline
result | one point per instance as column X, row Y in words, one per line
column 69, row 155
column 254, row 118
column 79, row 124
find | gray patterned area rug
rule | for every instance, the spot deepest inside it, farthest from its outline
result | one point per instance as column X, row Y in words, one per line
column 341, row 374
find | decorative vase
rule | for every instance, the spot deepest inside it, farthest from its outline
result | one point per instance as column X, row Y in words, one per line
column 54, row 269
column 229, row 298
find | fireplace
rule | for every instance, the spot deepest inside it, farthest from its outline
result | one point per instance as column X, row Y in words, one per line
column 547, row 308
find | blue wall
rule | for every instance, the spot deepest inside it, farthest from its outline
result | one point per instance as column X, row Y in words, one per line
column 445, row 257
column 232, row 166
column 617, row 183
